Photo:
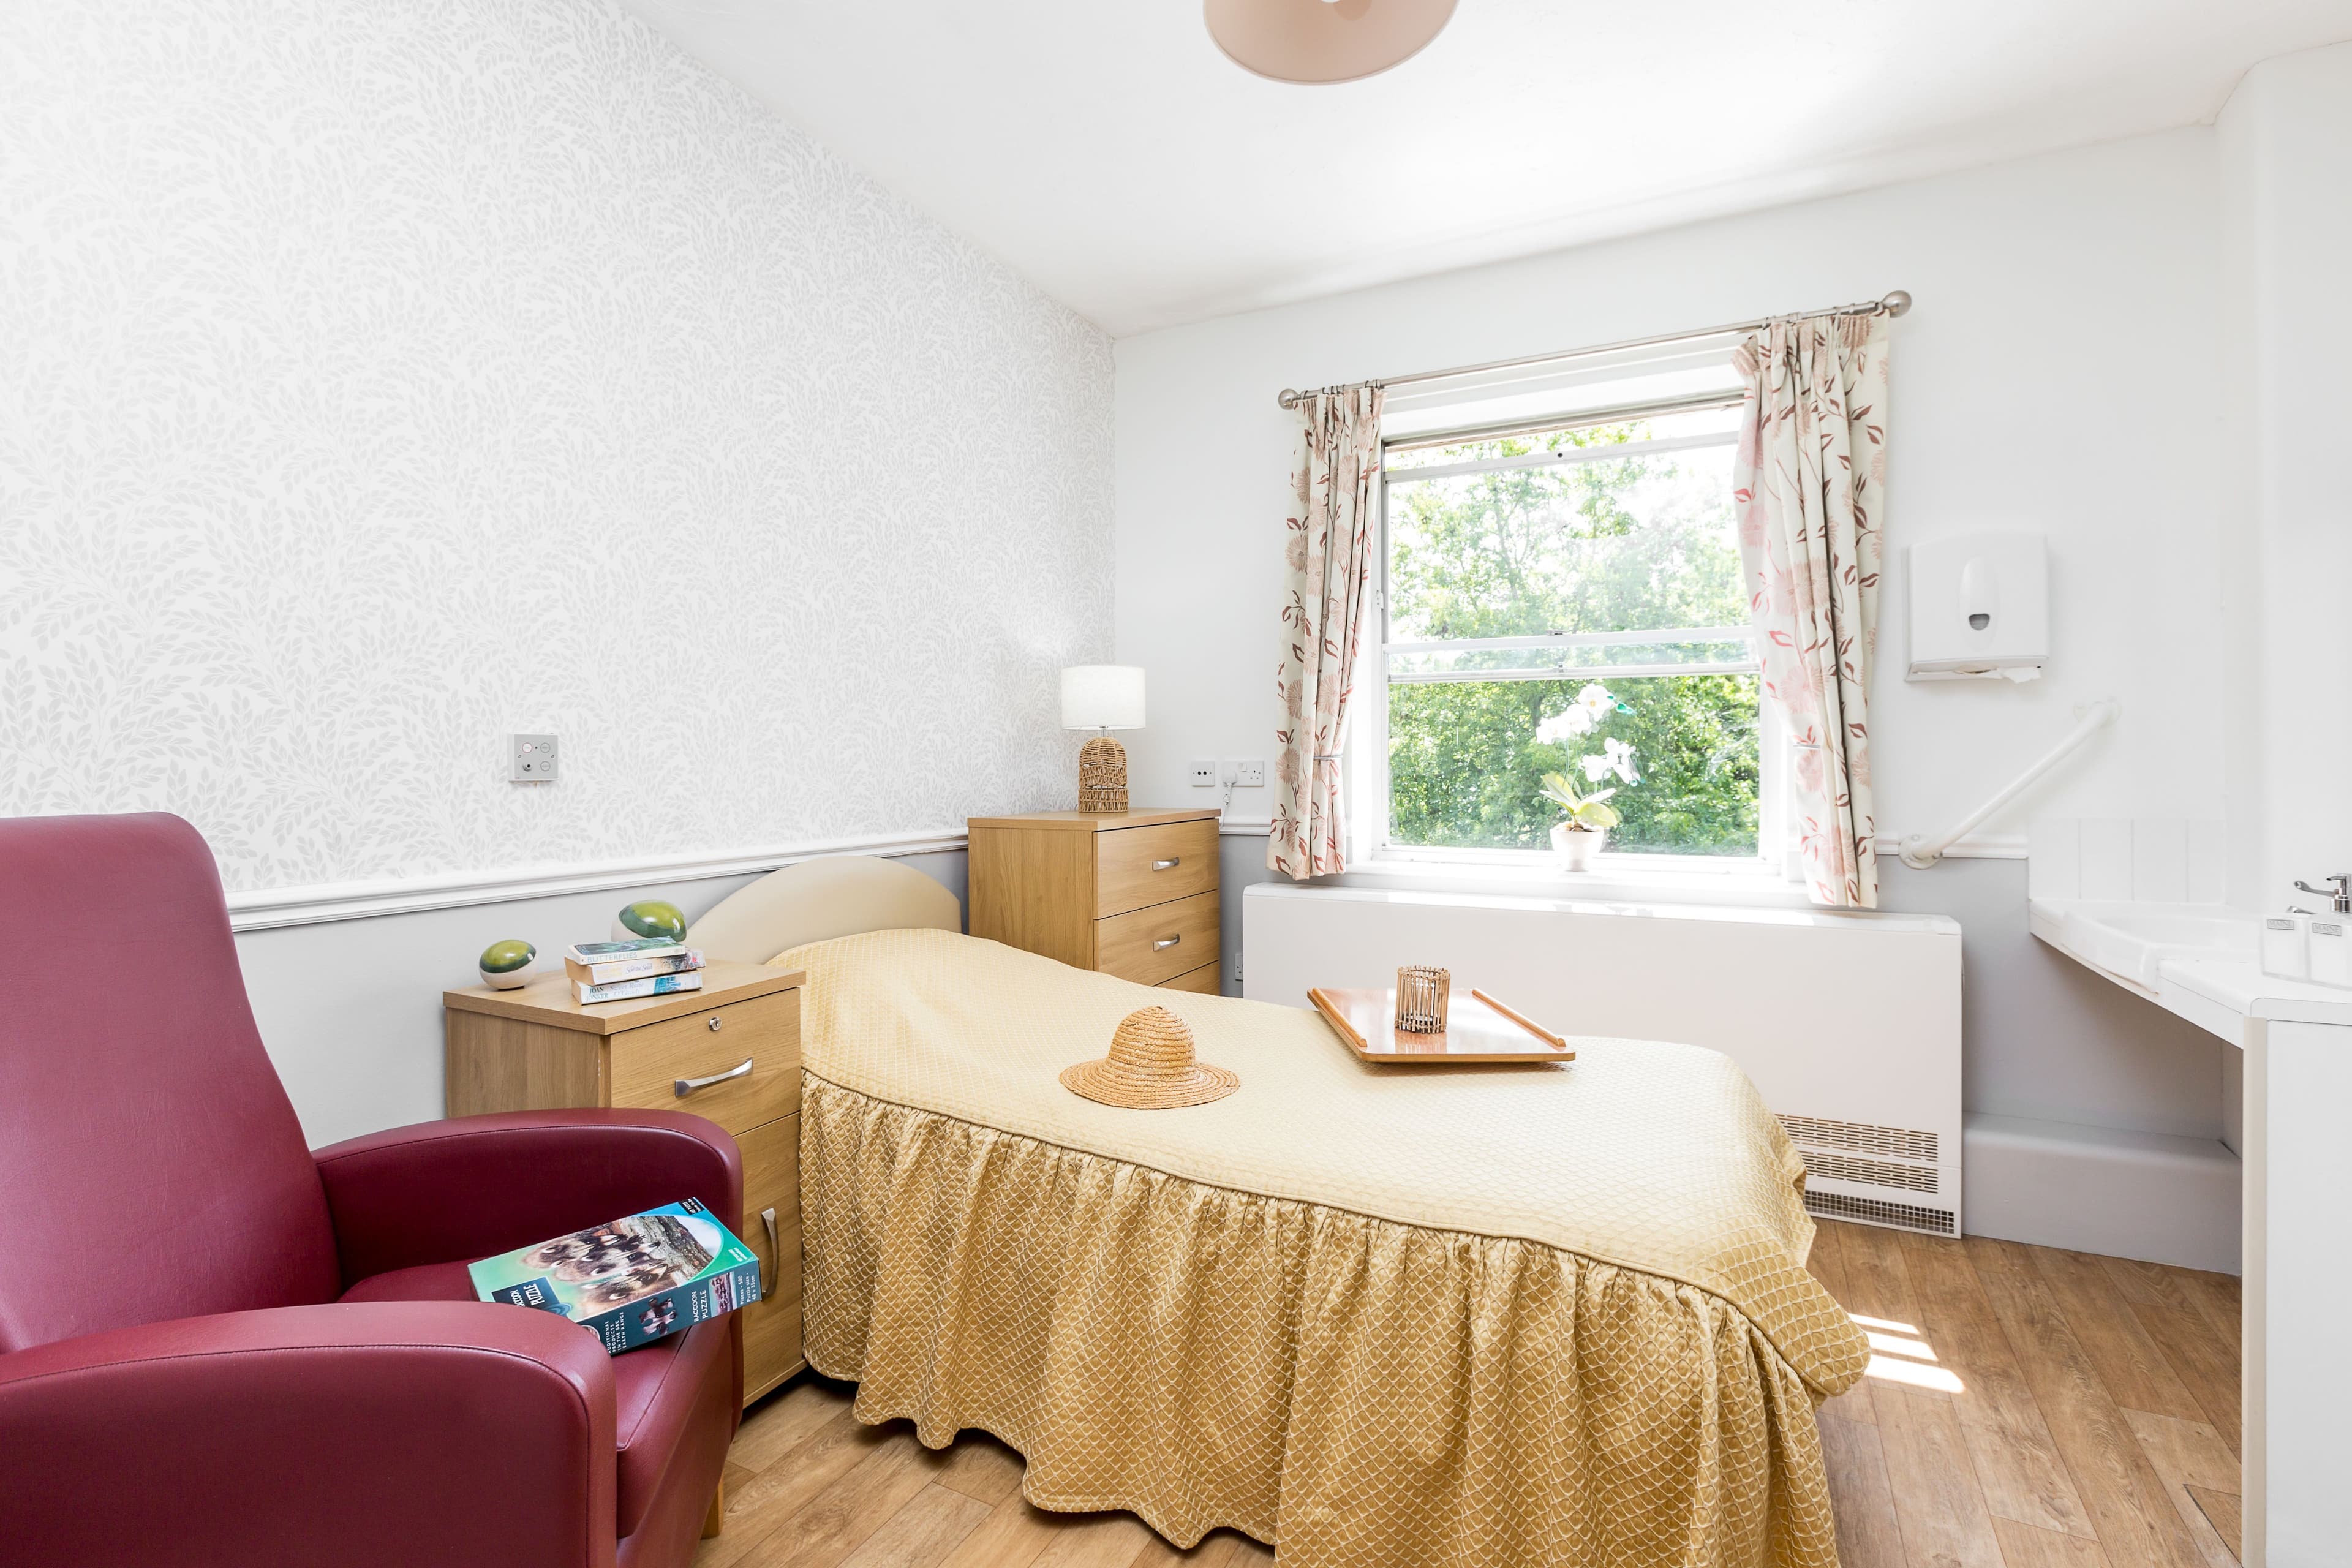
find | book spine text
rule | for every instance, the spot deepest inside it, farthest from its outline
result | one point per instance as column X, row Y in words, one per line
column 605, row 973
column 650, row 985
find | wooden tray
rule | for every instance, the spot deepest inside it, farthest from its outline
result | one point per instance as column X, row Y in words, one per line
column 1478, row 1029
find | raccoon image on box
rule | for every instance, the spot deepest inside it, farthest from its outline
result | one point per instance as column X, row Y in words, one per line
column 629, row 1280
column 626, row 1258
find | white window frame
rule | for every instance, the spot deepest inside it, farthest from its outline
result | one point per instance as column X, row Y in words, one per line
column 1366, row 745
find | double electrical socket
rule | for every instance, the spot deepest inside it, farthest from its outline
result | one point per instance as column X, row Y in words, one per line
column 1250, row 774
column 531, row 759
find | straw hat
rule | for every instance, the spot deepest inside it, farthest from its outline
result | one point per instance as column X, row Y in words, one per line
column 1151, row 1067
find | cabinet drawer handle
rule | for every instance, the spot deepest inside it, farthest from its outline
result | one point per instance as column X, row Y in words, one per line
column 767, row 1279
column 1165, row 942
column 714, row 1023
column 686, row 1085
column 1168, row 865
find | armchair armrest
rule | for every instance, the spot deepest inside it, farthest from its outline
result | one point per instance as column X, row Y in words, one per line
column 474, row 1185
column 443, row 1432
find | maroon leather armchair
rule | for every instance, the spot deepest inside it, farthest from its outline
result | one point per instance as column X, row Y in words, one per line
column 219, row 1347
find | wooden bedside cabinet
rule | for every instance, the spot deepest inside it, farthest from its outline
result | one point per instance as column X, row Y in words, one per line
column 1133, row 895
column 730, row 1051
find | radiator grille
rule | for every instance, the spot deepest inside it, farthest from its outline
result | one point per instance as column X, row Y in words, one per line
column 1875, row 1173
column 1905, row 1216
column 1901, row 1143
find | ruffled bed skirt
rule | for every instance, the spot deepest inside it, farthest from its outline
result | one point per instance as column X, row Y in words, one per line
column 1359, row 1392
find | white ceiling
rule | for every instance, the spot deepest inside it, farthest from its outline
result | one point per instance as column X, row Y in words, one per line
column 1107, row 150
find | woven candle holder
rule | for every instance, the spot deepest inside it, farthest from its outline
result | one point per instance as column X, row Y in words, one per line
column 1423, row 996
column 1102, row 777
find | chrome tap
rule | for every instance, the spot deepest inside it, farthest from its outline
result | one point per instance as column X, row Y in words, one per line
column 2338, row 891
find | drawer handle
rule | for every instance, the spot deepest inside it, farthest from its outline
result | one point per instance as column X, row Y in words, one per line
column 714, row 1023
column 1168, row 865
column 687, row 1086
column 1165, row 942
column 767, row 1281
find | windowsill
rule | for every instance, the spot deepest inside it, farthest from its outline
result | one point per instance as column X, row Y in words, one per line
column 1620, row 878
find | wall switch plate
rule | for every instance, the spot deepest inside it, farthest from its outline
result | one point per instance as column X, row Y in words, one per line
column 1204, row 775
column 1250, row 774
column 531, row 759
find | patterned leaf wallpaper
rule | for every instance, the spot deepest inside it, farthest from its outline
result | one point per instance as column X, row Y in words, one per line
column 380, row 377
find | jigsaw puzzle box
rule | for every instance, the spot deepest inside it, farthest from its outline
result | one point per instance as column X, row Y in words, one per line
column 630, row 1281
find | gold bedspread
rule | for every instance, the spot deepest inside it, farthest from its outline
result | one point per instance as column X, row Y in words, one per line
column 1381, row 1316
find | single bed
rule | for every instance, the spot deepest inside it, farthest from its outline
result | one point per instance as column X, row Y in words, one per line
column 1377, row 1316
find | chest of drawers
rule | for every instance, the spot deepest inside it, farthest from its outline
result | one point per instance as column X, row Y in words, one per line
column 730, row 1052
column 1134, row 895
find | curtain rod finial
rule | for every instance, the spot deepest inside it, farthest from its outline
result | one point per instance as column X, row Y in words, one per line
column 1898, row 303
column 1288, row 398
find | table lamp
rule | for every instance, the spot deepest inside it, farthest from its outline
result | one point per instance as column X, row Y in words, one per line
column 1102, row 698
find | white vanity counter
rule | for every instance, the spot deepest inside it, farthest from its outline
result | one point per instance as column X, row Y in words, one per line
column 2232, row 991
column 2193, row 960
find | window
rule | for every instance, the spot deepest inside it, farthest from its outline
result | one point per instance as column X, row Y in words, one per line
column 1563, row 597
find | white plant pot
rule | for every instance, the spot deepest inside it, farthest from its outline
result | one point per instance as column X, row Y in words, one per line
column 1576, row 846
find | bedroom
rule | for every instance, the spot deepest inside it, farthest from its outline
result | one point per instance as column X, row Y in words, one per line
column 764, row 406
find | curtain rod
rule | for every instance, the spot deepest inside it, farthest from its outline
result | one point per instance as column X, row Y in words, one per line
column 1894, row 304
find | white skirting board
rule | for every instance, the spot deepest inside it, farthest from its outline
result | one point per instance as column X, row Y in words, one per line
column 2149, row 1196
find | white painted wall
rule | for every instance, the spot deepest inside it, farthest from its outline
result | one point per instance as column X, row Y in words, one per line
column 2285, row 141
column 2058, row 371
column 377, row 379
column 2285, row 138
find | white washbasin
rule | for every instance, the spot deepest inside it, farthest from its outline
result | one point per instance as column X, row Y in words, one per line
column 2130, row 939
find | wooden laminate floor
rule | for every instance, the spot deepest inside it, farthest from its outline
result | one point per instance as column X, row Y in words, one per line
column 2026, row 1409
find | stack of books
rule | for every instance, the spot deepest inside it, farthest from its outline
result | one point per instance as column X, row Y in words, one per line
column 617, row 970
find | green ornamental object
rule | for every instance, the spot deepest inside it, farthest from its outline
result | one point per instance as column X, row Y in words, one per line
column 649, row 920
column 505, row 965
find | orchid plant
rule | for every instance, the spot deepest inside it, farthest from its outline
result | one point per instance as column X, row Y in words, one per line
column 1588, row 808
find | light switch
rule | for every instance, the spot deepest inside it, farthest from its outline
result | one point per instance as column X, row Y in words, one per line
column 531, row 759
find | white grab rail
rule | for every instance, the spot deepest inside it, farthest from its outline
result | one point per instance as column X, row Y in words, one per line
column 1919, row 851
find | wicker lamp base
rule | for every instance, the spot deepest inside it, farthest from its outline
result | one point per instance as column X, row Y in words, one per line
column 1102, row 777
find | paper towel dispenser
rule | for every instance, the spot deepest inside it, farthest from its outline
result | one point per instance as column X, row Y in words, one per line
column 1979, row 605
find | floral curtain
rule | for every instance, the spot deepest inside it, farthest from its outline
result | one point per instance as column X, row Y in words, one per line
column 1809, row 485
column 1329, row 552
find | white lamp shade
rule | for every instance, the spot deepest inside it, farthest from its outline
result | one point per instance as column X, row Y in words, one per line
column 1102, row 697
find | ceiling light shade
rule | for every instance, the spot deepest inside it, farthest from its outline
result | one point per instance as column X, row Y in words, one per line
column 1324, row 40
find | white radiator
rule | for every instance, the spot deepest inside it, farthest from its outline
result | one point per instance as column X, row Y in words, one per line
column 1849, row 1024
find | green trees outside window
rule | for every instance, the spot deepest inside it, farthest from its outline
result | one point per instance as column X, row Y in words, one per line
column 1641, row 543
